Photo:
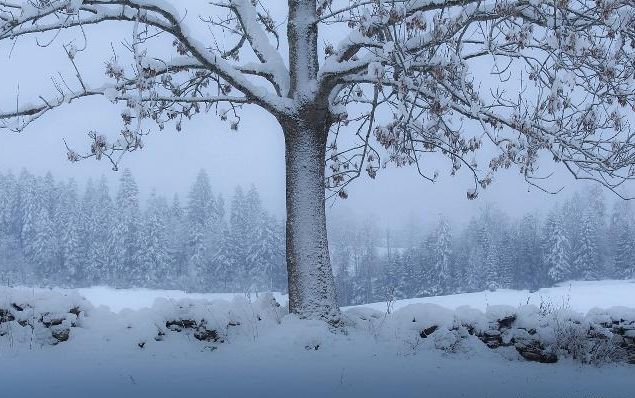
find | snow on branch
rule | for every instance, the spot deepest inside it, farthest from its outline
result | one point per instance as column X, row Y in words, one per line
column 528, row 78
column 156, row 88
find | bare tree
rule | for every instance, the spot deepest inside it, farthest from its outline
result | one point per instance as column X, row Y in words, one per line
column 408, row 78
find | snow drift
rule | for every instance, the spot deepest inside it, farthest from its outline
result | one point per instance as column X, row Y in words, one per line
column 542, row 333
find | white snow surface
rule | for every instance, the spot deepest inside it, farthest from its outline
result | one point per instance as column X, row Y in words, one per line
column 579, row 296
column 379, row 355
column 135, row 299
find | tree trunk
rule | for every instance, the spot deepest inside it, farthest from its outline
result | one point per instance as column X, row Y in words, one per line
column 311, row 282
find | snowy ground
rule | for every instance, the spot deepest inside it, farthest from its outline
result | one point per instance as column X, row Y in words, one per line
column 578, row 296
column 135, row 299
column 270, row 357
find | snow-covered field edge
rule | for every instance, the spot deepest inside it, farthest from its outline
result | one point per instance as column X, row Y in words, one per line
column 546, row 331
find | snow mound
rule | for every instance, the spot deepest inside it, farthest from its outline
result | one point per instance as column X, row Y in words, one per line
column 242, row 346
column 543, row 333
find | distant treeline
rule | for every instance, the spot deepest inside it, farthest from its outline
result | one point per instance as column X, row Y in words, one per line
column 579, row 239
column 50, row 234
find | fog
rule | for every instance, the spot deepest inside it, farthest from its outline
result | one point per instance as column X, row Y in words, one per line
column 252, row 155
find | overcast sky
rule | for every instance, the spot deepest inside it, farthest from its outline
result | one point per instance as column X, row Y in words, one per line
column 254, row 154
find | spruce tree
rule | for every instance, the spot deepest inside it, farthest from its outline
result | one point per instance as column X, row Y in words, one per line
column 153, row 255
column 586, row 263
column 124, row 239
column 622, row 242
column 557, row 250
column 442, row 252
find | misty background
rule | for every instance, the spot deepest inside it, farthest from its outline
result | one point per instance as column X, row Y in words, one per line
column 253, row 154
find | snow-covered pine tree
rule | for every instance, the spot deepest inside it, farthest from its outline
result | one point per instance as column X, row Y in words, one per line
column 622, row 241
column 344, row 287
column 530, row 272
column 125, row 229
column 255, row 231
column 177, row 236
column 224, row 262
column 474, row 278
column 586, row 260
column 442, row 257
column 66, row 222
column 72, row 248
column 10, row 200
column 411, row 277
column 240, row 233
column 153, row 254
column 90, row 271
column 50, row 195
column 103, row 218
column 505, row 259
column 201, row 209
column 557, row 250
column 4, row 207
column 266, row 255
column 28, row 211
column 341, row 259
column 43, row 245
column 393, row 277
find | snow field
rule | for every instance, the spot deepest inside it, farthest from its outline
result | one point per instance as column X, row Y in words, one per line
column 128, row 350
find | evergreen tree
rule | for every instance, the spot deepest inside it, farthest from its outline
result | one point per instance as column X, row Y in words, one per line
column 557, row 250
column 442, row 252
column 72, row 248
column 622, row 251
column 266, row 255
column 28, row 212
column 177, row 236
column 124, row 238
column 240, row 232
column 586, row 262
column 201, row 211
column 9, row 205
column 42, row 245
column 87, row 228
column 153, row 256
column 103, row 218
column 530, row 272
column 225, row 263
column 66, row 224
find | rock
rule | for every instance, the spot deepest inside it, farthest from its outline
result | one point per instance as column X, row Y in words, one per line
column 159, row 336
column 428, row 331
column 75, row 310
column 180, row 324
column 203, row 334
column 48, row 322
column 506, row 322
column 17, row 307
column 61, row 335
column 492, row 338
column 6, row 316
column 535, row 352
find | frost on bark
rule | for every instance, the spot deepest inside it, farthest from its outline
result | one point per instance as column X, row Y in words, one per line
column 404, row 81
column 311, row 282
